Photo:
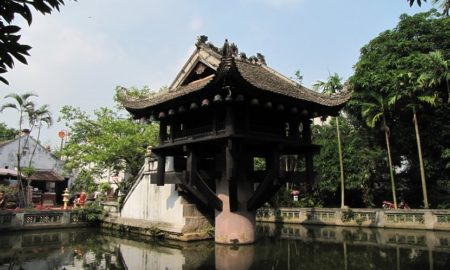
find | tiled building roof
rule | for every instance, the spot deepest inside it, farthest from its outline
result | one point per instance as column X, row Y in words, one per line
column 256, row 73
column 46, row 175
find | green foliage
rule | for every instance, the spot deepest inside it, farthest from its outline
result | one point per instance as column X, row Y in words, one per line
column 28, row 171
column 7, row 133
column 283, row 198
column 363, row 159
column 10, row 47
column 132, row 92
column 444, row 4
column 155, row 232
column 11, row 195
column 259, row 164
column 104, row 187
column 84, row 181
column 298, row 76
column 408, row 66
column 331, row 86
column 105, row 141
column 93, row 213
column 348, row 215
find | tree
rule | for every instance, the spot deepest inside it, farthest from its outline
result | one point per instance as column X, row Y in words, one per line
column 298, row 76
column 10, row 47
column 436, row 73
column 38, row 118
column 331, row 87
column 7, row 133
column 392, row 63
column 364, row 164
column 105, row 141
column 445, row 4
column 414, row 95
column 23, row 105
column 374, row 108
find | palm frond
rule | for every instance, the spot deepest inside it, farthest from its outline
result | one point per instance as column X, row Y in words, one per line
column 8, row 106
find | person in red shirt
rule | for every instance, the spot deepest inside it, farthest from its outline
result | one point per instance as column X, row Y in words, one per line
column 82, row 198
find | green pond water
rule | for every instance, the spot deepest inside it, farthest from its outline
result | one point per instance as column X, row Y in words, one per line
column 278, row 247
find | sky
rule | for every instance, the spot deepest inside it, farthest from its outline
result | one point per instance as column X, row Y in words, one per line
column 82, row 53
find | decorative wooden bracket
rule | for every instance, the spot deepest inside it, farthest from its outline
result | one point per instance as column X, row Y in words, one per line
column 210, row 195
column 258, row 197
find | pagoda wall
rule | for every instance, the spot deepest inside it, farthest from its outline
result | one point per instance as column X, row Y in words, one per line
column 159, row 204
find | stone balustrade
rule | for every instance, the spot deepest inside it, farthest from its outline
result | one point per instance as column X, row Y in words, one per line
column 430, row 219
column 23, row 220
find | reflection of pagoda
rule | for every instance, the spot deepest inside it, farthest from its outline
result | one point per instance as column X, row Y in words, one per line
column 221, row 112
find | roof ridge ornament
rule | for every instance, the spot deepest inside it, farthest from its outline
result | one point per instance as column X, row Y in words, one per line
column 227, row 58
column 226, row 50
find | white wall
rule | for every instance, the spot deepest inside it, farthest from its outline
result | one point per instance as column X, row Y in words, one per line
column 154, row 203
column 42, row 160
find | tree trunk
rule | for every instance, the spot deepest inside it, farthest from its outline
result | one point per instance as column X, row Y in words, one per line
column 422, row 169
column 341, row 163
column 391, row 170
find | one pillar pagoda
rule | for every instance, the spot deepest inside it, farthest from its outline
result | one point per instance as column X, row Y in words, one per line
column 222, row 111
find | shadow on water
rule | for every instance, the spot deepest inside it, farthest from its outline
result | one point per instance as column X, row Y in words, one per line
column 278, row 247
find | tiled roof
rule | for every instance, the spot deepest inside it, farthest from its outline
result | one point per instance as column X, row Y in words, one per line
column 9, row 172
column 265, row 78
column 255, row 73
column 166, row 95
column 46, row 175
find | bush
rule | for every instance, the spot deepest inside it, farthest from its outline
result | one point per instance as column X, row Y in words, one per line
column 92, row 213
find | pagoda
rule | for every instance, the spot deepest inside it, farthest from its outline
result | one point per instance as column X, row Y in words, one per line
column 222, row 112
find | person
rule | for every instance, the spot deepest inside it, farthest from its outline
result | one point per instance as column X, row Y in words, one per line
column 76, row 201
column 82, row 198
column 2, row 199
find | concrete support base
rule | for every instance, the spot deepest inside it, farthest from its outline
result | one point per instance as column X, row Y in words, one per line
column 235, row 227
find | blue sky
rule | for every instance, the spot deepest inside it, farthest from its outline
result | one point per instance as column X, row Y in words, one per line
column 82, row 53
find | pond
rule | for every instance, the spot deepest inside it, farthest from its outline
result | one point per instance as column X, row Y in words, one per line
column 278, row 247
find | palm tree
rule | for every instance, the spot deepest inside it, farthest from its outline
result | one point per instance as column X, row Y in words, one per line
column 332, row 86
column 374, row 108
column 23, row 105
column 38, row 118
column 437, row 72
column 415, row 95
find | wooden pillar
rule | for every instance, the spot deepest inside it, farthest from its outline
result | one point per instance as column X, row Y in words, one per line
column 214, row 120
column 170, row 127
column 161, row 170
column 162, row 131
column 306, row 131
column 230, row 168
column 294, row 127
column 229, row 120
column 309, row 162
column 191, row 165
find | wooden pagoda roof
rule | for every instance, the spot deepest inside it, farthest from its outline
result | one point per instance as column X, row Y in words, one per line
column 253, row 72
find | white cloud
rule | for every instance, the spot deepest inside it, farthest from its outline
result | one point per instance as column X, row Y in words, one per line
column 196, row 24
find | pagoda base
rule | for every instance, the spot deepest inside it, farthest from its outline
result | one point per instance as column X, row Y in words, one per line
column 234, row 228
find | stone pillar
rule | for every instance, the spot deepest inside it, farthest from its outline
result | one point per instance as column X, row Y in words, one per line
column 235, row 226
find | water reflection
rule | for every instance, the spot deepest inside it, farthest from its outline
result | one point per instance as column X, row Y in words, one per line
column 278, row 247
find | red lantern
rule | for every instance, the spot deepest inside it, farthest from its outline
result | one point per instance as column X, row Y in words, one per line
column 61, row 134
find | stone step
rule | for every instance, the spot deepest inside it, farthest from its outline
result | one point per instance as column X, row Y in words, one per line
column 190, row 210
column 197, row 225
